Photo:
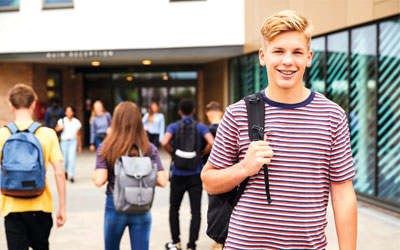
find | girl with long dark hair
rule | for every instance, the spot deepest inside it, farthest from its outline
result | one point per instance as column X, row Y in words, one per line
column 126, row 130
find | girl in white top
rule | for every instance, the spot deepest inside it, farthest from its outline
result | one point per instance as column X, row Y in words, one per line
column 70, row 140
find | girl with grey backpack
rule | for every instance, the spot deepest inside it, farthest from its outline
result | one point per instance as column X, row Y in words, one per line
column 131, row 167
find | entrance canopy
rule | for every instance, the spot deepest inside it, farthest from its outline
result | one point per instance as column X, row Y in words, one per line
column 111, row 57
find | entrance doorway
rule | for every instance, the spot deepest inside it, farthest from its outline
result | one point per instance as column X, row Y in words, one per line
column 165, row 88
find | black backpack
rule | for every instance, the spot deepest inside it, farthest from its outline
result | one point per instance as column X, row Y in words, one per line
column 220, row 206
column 186, row 146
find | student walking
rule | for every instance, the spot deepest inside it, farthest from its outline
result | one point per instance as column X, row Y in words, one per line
column 28, row 220
column 154, row 124
column 306, row 150
column 53, row 113
column 214, row 115
column 126, row 131
column 100, row 121
column 187, row 136
column 71, row 142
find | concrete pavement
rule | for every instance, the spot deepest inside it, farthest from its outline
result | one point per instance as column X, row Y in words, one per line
column 85, row 212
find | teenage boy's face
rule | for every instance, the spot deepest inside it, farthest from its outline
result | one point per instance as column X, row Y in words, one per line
column 286, row 57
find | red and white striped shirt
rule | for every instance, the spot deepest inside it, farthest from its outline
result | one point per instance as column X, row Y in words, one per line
column 311, row 147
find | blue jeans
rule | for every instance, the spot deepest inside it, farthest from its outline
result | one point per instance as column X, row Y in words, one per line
column 98, row 140
column 69, row 149
column 115, row 223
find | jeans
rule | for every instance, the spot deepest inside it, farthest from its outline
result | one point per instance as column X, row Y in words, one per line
column 98, row 140
column 179, row 185
column 69, row 149
column 115, row 223
column 28, row 229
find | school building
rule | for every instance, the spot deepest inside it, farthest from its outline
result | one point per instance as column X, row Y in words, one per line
column 82, row 50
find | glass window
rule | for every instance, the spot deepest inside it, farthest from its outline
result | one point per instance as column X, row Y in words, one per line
column 362, row 116
column 54, row 85
column 57, row 4
column 235, row 82
column 337, row 63
column 175, row 94
column 9, row 5
column 123, row 94
column 154, row 94
column 316, row 72
column 184, row 75
column 96, row 76
column 247, row 76
column 389, row 111
column 188, row 75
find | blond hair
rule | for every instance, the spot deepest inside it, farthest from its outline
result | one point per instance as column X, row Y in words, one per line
column 286, row 20
column 93, row 114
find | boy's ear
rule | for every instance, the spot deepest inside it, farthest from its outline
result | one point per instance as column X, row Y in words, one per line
column 11, row 107
column 309, row 58
column 261, row 56
column 33, row 105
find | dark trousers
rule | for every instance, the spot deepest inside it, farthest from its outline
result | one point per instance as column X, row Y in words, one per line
column 179, row 185
column 154, row 138
column 28, row 229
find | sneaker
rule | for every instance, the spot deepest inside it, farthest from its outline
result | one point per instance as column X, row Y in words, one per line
column 72, row 180
column 216, row 246
column 191, row 247
column 173, row 246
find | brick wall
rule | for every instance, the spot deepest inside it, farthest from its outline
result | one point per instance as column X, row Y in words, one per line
column 36, row 76
column 11, row 74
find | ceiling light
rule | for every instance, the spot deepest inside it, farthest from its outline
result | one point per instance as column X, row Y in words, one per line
column 165, row 77
column 129, row 78
column 146, row 62
column 95, row 63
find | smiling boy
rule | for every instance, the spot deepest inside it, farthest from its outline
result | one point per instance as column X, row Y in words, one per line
column 306, row 147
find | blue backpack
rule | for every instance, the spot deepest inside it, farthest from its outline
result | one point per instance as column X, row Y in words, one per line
column 23, row 170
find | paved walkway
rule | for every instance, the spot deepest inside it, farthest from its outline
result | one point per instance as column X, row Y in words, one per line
column 85, row 211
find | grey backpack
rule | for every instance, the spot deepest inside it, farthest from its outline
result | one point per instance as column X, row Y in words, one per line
column 135, row 182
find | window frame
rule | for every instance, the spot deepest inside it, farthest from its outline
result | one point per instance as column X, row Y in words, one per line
column 47, row 6
column 10, row 8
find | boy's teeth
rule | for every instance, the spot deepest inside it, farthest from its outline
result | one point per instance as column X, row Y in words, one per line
column 286, row 72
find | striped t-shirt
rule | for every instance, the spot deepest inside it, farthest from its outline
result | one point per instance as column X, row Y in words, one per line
column 311, row 147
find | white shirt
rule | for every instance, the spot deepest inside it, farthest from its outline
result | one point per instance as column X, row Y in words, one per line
column 71, row 128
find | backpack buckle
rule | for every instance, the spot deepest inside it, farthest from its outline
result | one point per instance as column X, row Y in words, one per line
column 257, row 130
column 254, row 99
column 137, row 175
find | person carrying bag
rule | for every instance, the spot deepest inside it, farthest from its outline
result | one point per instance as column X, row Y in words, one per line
column 131, row 166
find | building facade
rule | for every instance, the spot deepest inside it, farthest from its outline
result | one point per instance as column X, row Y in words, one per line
column 164, row 50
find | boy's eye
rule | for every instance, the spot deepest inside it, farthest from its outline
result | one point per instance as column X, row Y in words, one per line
column 278, row 51
column 298, row 52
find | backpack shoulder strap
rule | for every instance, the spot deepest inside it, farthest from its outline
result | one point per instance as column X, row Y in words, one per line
column 256, row 116
column 256, row 122
column 255, row 112
column 12, row 127
column 34, row 126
